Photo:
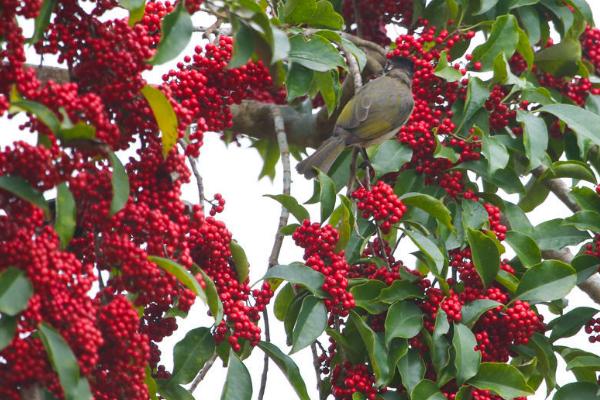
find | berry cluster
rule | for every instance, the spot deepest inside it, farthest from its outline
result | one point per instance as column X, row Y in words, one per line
column 319, row 244
column 348, row 379
column 381, row 203
column 592, row 328
column 590, row 42
column 373, row 16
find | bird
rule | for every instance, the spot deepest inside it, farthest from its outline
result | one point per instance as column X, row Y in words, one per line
column 372, row 116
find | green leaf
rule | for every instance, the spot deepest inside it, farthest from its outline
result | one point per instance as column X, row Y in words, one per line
column 298, row 81
column 446, row 71
column 243, row 46
column 547, row 281
column 502, row 379
column 466, row 359
column 281, row 45
column 570, row 323
column 427, row 390
column 525, row 247
column 509, row 281
column 585, row 220
column 580, row 121
column 242, row 266
column 546, row 360
column 524, row 48
column 64, row 363
column 165, row 116
column 390, row 156
column 136, row 10
column 475, row 309
column 313, row 13
column 495, row 152
column 586, row 198
column 535, row 194
column 120, row 184
column 485, row 6
column 589, row 362
column 412, row 369
column 311, row 323
column 474, row 214
column 269, row 151
column 8, row 329
column 486, row 256
column 535, row 137
column 357, row 52
column 326, row 82
column 553, row 235
column 40, row 111
column 570, row 169
column 176, row 32
column 577, row 390
column 477, row 95
column 586, row 265
column 431, row 205
column 238, row 384
column 65, row 220
column 437, row 261
column 15, row 291
column 174, row 392
column 190, row 354
column 366, row 294
column 298, row 274
column 288, row 367
column 561, row 58
column 282, row 301
column 400, row 290
column 315, row 53
column 181, row 273
column 212, row 297
column 42, row 21
column 404, row 320
column 503, row 38
column 375, row 348
column 440, row 348
column 530, row 20
column 327, row 195
column 22, row 189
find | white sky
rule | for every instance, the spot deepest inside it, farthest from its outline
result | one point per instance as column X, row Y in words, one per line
column 252, row 218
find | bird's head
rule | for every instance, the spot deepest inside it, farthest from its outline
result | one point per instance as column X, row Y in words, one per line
column 403, row 63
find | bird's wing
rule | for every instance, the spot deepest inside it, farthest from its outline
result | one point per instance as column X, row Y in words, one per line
column 355, row 111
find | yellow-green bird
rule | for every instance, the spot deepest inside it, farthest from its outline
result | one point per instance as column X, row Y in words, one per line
column 372, row 116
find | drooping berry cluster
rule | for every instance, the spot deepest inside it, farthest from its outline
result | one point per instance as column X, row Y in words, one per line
column 590, row 42
column 381, row 203
column 348, row 379
column 319, row 244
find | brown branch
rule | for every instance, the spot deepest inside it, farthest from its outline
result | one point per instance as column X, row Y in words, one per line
column 203, row 372
column 558, row 187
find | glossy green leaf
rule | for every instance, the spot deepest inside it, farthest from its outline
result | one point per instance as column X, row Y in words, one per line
column 466, row 360
column 281, row 45
column 64, row 363
column 485, row 6
column 327, row 195
column 495, row 152
column 181, row 273
column 585, row 220
column 427, row 390
column 474, row 214
column 176, row 32
column 298, row 81
column 547, row 281
column 298, row 274
column 588, row 362
column 570, row 323
column 243, row 46
column 586, row 198
column 120, row 184
column 390, row 156
column 536, row 192
column 431, row 205
column 366, row 295
column 173, row 391
column 288, row 367
column 40, row 111
column 503, row 38
column 292, row 205
column 485, row 254
column 282, row 301
column 311, row 323
column 437, row 261
column 190, row 354
column 446, row 71
column 554, row 235
column 8, row 329
column 570, row 169
column 313, row 13
column 577, row 390
column 559, row 59
column 136, row 10
column 475, row 309
column 412, row 369
column 502, row 379
column 477, row 95
column 315, row 53
column 586, row 265
column 165, row 116
column 535, row 137
column 580, row 120
column 326, row 83
column 404, row 320
column 526, row 248
column 22, row 189
column 440, row 346
column 238, row 383
column 375, row 348
column 66, row 213
column 240, row 260
column 212, row 297
column 400, row 290
column 15, row 291
column 509, row 281
column 42, row 21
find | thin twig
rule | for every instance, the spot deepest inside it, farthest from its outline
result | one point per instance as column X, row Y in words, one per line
column 203, row 372
column 353, row 68
column 283, row 219
column 317, row 366
column 199, row 181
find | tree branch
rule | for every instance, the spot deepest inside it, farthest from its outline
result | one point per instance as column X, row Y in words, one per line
column 558, row 187
column 203, row 372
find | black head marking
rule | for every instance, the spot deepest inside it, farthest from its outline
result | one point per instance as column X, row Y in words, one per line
column 402, row 63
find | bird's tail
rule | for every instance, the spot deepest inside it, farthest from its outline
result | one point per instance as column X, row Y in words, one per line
column 323, row 158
